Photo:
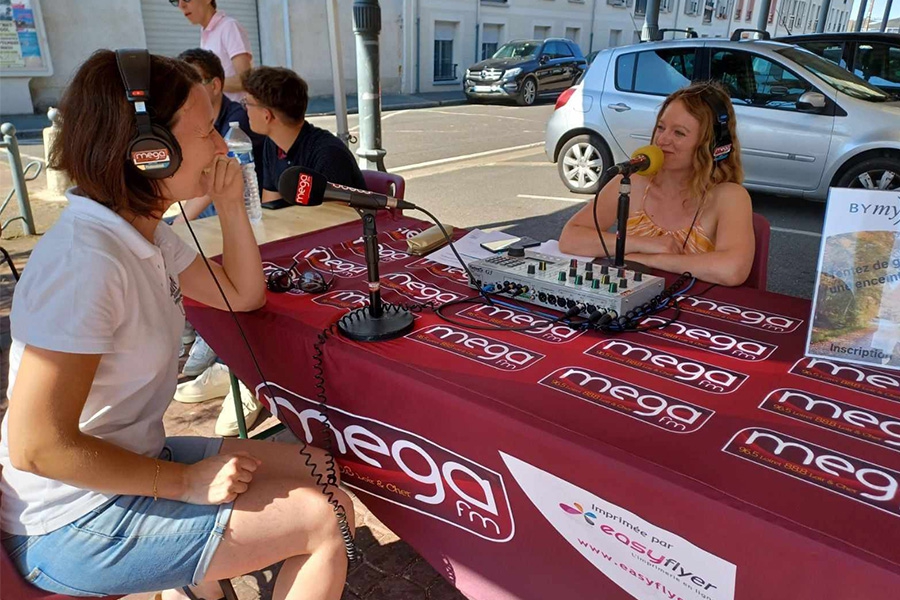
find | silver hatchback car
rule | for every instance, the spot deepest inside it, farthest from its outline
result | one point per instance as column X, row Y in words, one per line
column 804, row 124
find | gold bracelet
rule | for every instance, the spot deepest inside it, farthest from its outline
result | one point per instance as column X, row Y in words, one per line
column 155, row 481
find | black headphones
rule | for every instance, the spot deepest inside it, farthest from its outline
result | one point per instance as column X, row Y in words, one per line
column 153, row 149
column 721, row 144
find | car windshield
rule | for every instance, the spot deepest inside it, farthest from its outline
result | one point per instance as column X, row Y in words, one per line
column 518, row 50
column 841, row 79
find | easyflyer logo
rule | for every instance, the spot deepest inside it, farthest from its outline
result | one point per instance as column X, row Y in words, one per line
column 325, row 260
column 437, row 269
column 880, row 384
column 343, row 299
column 659, row 410
column 401, row 467
column 413, row 288
column 860, row 423
column 646, row 561
column 542, row 329
column 477, row 348
column 867, row 483
column 668, row 365
column 709, row 339
column 304, row 188
column 734, row 313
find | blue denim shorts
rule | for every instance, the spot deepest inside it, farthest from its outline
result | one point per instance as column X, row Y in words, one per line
column 130, row 544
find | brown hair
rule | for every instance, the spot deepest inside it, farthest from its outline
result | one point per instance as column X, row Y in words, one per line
column 707, row 173
column 278, row 89
column 98, row 125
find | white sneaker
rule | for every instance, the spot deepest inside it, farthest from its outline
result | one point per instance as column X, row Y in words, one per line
column 214, row 382
column 226, row 424
column 188, row 334
column 199, row 359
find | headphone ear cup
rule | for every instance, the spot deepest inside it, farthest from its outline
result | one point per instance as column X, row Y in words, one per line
column 156, row 155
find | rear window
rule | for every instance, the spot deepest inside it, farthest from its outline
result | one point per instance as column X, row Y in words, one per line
column 657, row 72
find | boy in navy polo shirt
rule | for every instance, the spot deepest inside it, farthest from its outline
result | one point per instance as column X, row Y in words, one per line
column 276, row 104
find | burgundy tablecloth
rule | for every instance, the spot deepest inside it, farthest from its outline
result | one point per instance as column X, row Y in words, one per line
column 707, row 460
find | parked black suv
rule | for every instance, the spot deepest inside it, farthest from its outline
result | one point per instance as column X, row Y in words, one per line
column 524, row 69
column 873, row 56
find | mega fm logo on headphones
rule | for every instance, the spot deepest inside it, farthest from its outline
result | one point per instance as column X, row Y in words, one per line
column 151, row 160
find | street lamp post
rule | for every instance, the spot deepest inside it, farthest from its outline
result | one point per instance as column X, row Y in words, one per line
column 366, row 27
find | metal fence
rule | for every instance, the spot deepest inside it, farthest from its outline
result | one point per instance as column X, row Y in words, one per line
column 20, row 177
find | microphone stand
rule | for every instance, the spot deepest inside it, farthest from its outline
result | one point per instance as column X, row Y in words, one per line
column 622, row 219
column 376, row 321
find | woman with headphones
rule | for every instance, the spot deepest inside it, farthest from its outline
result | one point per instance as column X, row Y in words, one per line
column 693, row 214
column 96, row 499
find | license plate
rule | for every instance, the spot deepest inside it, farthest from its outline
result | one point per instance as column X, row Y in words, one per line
column 481, row 88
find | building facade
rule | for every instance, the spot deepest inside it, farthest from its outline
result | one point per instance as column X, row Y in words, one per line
column 425, row 45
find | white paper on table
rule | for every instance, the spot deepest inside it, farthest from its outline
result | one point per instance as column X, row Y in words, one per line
column 551, row 247
column 469, row 247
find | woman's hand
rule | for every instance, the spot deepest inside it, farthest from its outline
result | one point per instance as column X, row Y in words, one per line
column 663, row 244
column 219, row 479
column 223, row 181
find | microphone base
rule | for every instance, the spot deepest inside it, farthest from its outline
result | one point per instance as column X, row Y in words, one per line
column 359, row 325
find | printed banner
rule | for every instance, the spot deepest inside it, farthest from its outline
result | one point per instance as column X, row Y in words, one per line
column 711, row 340
column 880, row 384
column 646, row 561
column 476, row 347
column 740, row 315
column 848, row 476
column 403, row 468
column 856, row 305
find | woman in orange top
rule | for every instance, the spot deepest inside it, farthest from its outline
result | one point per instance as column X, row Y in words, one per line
column 694, row 214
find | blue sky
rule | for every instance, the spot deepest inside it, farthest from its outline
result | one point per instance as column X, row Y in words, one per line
column 877, row 11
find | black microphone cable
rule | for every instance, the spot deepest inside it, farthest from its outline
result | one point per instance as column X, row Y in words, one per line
column 353, row 552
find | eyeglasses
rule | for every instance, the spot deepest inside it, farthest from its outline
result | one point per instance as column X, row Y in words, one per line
column 245, row 103
column 285, row 280
column 175, row 2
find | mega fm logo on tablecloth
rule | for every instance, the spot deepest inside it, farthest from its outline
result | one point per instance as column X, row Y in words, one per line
column 711, row 340
column 403, row 468
column 413, row 288
column 847, row 419
column 653, row 408
column 542, row 329
column 455, row 274
column 476, row 347
column 325, row 260
column 668, row 365
column 741, row 315
column 858, row 378
column 874, row 485
column 343, row 299
column 645, row 560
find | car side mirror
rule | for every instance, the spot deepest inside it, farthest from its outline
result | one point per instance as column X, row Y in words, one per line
column 543, row 59
column 811, row 101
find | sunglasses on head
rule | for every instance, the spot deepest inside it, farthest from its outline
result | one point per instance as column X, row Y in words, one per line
column 285, row 280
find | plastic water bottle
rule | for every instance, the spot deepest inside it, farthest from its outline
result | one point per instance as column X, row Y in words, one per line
column 240, row 147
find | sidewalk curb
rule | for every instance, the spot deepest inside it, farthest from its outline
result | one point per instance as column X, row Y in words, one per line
column 401, row 106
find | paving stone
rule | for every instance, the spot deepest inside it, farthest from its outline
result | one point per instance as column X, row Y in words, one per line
column 396, row 589
column 442, row 590
column 420, row 572
column 391, row 559
column 363, row 578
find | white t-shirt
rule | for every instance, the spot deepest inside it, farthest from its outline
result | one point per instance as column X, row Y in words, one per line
column 94, row 285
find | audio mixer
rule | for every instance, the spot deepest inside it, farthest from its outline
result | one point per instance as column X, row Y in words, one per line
column 560, row 283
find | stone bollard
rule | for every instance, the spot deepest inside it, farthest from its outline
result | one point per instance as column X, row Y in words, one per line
column 57, row 181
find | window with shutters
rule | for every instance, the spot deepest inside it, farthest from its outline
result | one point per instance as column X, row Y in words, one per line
column 490, row 40
column 444, row 67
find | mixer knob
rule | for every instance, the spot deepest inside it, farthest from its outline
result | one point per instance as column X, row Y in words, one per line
column 531, row 269
column 578, row 280
column 595, row 284
column 638, row 276
column 573, row 272
column 561, row 277
column 589, row 266
column 604, row 279
column 588, row 275
column 542, row 266
column 604, row 270
column 613, row 288
column 623, row 283
column 620, row 272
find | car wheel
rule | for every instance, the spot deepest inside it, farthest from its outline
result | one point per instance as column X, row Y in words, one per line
column 880, row 173
column 582, row 161
column 528, row 94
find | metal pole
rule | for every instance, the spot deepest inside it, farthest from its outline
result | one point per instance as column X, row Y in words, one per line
column 477, row 17
column 337, row 71
column 593, row 15
column 651, row 21
column 18, row 176
column 887, row 13
column 288, row 45
column 366, row 27
column 762, row 18
column 730, row 18
column 859, row 17
column 823, row 15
